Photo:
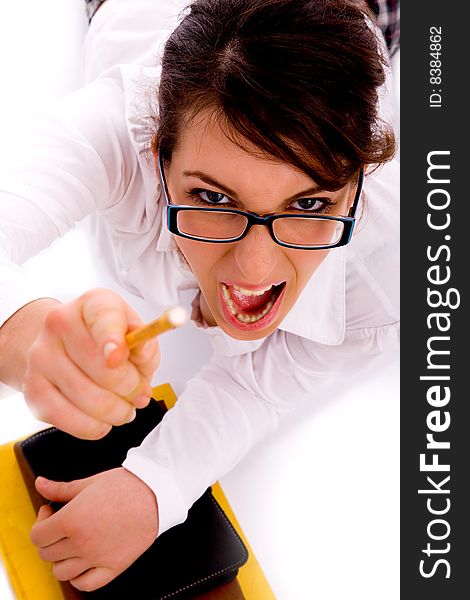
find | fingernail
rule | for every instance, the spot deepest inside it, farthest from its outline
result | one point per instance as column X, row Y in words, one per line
column 109, row 348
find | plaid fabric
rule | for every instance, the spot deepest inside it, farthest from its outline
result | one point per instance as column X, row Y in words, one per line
column 386, row 11
column 388, row 20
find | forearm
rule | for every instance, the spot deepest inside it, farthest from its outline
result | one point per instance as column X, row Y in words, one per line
column 17, row 335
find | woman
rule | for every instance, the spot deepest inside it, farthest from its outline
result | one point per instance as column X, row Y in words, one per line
column 267, row 120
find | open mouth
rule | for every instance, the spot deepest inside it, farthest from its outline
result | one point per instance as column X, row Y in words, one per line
column 247, row 308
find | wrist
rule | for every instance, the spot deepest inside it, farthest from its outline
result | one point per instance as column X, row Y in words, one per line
column 17, row 335
column 147, row 500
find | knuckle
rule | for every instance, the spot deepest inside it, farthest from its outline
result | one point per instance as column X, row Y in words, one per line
column 99, row 301
column 56, row 319
column 100, row 292
column 93, row 294
column 88, row 295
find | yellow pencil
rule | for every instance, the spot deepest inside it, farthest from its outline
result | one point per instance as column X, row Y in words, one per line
column 173, row 317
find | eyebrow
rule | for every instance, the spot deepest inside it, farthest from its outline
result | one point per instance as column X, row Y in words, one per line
column 229, row 192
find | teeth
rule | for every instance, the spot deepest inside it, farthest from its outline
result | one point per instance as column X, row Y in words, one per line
column 253, row 318
column 246, row 292
column 240, row 316
column 228, row 299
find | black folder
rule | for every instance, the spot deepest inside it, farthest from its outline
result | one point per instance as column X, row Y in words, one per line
column 189, row 559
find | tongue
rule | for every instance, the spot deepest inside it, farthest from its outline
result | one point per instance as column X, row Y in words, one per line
column 249, row 303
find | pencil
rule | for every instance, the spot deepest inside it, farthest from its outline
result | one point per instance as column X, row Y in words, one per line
column 170, row 319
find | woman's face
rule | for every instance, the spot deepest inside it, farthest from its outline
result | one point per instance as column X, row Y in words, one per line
column 249, row 286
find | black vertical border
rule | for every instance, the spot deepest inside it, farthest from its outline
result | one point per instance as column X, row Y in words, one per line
column 425, row 129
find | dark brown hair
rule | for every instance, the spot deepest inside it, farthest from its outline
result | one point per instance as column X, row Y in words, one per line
column 297, row 78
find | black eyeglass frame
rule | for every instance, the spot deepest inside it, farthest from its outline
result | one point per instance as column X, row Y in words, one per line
column 254, row 219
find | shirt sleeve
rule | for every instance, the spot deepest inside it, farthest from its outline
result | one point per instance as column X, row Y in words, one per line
column 233, row 403
column 70, row 162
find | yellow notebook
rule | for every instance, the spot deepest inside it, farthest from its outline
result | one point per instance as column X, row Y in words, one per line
column 32, row 579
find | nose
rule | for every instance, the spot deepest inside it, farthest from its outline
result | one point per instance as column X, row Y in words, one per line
column 257, row 255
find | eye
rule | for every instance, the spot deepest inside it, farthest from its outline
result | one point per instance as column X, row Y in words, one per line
column 313, row 205
column 213, row 197
column 208, row 197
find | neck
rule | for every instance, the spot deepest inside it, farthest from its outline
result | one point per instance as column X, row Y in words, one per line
column 206, row 312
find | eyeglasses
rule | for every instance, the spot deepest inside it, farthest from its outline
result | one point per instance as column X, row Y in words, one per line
column 226, row 225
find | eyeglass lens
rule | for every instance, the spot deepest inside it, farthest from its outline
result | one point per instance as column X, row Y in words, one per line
column 213, row 225
column 308, row 232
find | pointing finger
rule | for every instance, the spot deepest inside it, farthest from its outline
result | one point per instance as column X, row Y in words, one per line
column 105, row 315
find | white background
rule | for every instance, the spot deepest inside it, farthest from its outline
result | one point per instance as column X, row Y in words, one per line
column 319, row 502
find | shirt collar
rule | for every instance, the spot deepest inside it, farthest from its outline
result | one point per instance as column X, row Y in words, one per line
column 319, row 313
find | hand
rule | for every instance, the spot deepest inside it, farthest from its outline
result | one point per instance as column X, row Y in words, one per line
column 109, row 520
column 80, row 375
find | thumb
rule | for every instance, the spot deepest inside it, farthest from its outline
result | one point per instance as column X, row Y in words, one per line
column 59, row 491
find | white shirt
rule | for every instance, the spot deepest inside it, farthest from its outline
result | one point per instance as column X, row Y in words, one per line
column 90, row 156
